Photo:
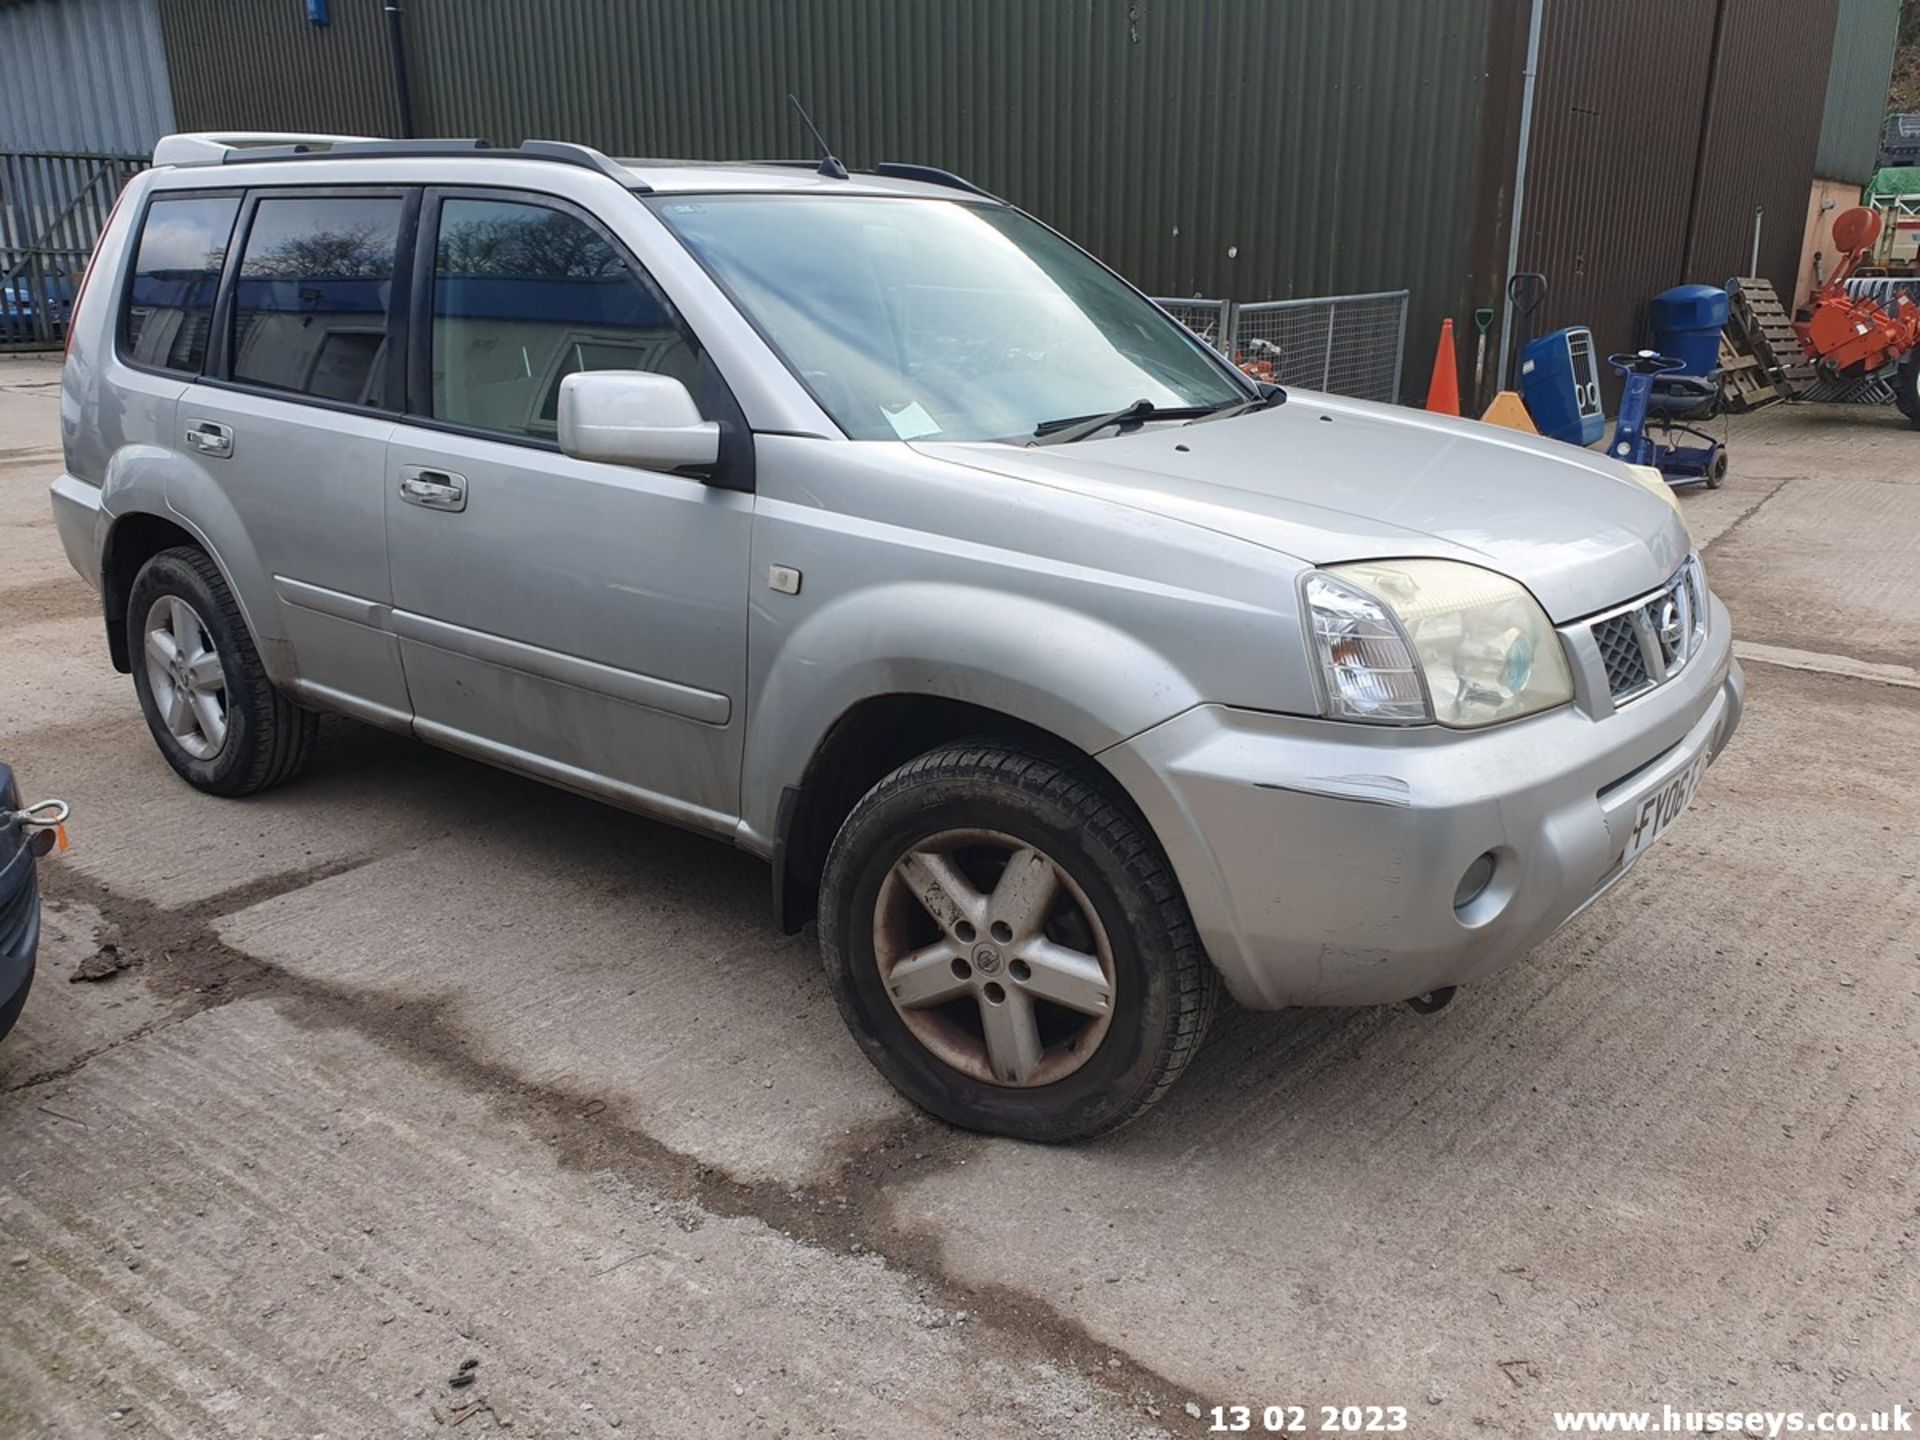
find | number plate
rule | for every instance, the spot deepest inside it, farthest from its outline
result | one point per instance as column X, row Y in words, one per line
column 1657, row 813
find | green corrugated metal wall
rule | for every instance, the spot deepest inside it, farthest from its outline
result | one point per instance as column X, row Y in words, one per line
column 1857, row 83
column 261, row 66
column 1249, row 148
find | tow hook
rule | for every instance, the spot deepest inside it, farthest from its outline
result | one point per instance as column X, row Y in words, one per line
column 1433, row 1002
column 48, row 821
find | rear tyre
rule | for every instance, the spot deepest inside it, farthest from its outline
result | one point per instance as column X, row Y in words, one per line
column 1717, row 471
column 213, row 712
column 1009, row 946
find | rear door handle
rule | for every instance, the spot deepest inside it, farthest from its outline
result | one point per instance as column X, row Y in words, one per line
column 209, row 438
column 433, row 489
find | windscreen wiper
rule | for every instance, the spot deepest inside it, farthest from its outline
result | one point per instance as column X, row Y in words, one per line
column 1269, row 396
column 1062, row 432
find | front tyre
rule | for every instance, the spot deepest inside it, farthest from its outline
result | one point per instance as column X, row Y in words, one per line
column 212, row 710
column 1009, row 946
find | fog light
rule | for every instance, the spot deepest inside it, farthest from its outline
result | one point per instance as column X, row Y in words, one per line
column 1474, row 883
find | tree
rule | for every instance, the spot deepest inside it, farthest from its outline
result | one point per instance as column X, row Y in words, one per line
column 358, row 254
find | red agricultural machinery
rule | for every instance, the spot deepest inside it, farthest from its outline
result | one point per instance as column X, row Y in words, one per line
column 1856, row 338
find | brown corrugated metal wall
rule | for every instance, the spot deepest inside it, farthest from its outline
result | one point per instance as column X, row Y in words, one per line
column 1610, row 176
column 1769, row 93
column 1613, row 213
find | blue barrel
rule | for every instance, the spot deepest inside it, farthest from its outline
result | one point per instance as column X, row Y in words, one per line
column 1687, row 321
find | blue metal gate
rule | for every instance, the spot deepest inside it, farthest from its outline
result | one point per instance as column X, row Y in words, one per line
column 53, row 206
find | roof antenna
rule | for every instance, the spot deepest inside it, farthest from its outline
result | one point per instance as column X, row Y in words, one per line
column 829, row 166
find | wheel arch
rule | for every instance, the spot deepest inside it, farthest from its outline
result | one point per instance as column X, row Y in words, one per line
column 135, row 537
column 877, row 676
column 870, row 739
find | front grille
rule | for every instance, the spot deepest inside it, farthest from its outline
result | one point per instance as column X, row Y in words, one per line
column 1645, row 644
column 1619, row 643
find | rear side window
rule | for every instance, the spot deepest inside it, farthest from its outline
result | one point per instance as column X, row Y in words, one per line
column 176, row 271
column 310, row 306
column 525, row 295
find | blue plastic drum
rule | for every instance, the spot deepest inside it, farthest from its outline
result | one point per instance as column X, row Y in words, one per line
column 1687, row 321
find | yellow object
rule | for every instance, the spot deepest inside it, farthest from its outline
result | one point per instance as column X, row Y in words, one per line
column 1656, row 482
column 1510, row 411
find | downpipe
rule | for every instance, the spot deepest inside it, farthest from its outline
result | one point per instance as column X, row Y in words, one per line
column 397, row 47
column 1433, row 1002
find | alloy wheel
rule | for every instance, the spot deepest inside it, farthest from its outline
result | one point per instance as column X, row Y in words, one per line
column 994, row 958
column 185, row 674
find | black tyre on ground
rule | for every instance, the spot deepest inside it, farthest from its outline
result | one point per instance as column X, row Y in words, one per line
column 1906, row 387
column 1009, row 946
column 213, row 712
column 1717, row 471
column 10, row 1008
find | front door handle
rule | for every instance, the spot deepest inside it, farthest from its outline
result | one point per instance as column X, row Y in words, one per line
column 210, row 439
column 433, row 489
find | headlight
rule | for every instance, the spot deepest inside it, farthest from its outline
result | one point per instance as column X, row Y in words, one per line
column 1405, row 641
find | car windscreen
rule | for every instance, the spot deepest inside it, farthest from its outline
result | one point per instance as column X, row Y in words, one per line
column 937, row 319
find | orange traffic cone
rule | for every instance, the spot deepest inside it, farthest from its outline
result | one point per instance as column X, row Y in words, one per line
column 1443, row 393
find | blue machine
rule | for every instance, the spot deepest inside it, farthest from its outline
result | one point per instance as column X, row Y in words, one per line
column 1657, row 388
column 1561, row 386
column 1687, row 321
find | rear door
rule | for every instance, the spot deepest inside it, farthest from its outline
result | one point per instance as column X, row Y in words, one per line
column 163, row 329
column 290, row 424
column 580, row 621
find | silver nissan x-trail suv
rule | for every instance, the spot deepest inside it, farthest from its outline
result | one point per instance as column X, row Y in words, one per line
column 1064, row 673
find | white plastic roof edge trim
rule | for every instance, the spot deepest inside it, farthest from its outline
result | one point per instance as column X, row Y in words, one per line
column 212, row 147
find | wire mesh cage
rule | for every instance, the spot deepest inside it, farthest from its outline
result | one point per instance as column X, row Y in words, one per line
column 1211, row 320
column 1342, row 344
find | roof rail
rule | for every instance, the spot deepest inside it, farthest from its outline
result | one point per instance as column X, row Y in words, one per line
column 258, row 146
column 901, row 170
column 568, row 153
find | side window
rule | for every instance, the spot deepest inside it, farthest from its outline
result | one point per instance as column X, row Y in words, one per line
column 176, row 270
column 525, row 295
column 310, row 307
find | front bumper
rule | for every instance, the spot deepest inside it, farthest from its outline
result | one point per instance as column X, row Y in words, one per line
column 1320, row 860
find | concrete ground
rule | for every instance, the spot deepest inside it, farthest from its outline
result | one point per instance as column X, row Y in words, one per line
column 414, row 1064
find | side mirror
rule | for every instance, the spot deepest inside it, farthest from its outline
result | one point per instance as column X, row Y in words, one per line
column 635, row 417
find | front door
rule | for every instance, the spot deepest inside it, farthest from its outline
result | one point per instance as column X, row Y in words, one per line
column 579, row 621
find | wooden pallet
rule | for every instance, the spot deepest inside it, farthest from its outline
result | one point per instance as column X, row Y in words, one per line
column 1743, row 384
column 1761, row 358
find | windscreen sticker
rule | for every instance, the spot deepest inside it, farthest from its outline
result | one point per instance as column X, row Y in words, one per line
column 911, row 421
